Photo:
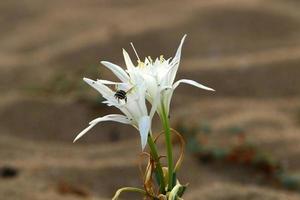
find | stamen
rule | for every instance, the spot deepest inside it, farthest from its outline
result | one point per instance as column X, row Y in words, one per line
column 140, row 63
column 135, row 51
column 161, row 58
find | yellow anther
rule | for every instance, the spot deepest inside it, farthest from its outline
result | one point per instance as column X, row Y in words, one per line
column 161, row 58
column 140, row 63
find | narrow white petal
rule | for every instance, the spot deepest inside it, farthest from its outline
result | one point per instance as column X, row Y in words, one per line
column 112, row 117
column 119, row 85
column 178, row 52
column 117, row 70
column 144, row 128
column 191, row 82
column 109, row 82
column 155, row 102
column 83, row 132
column 128, row 62
column 105, row 91
column 175, row 62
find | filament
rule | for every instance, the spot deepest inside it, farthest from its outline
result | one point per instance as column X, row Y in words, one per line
column 135, row 51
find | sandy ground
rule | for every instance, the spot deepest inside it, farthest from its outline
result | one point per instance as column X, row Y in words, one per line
column 249, row 51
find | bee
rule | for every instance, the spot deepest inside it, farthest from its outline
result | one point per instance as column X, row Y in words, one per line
column 122, row 95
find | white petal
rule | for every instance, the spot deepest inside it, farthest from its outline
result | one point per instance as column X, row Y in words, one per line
column 164, row 75
column 154, row 103
column 167, row 93
column 178, row 52
column 191, row 82
column 136, row 105
column 144, row 128
column 175, row 62
column 128, row 62
column 112, row 117
column 117, row 70
column 119, row 85
column 83, row 132
column 109, row 82
column 105, row 91
column 151, row 85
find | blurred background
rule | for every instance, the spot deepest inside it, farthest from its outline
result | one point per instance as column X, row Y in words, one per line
column 242, row 141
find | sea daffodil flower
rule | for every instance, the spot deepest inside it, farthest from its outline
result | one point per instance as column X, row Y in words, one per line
column 153, row 81
column 159, row 76
column 134, row 107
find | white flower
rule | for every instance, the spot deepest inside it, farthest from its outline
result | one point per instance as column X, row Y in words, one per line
column 150, row 79
column 134, row 107
column 159, row 76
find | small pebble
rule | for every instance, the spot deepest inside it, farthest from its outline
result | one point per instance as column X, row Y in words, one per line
column 8, row 172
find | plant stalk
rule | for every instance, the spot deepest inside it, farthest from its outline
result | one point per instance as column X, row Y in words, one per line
column 158, row 168
column 166, row 124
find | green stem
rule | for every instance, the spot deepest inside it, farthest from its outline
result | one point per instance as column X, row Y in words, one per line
column 166, row 124
column 158, row 169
